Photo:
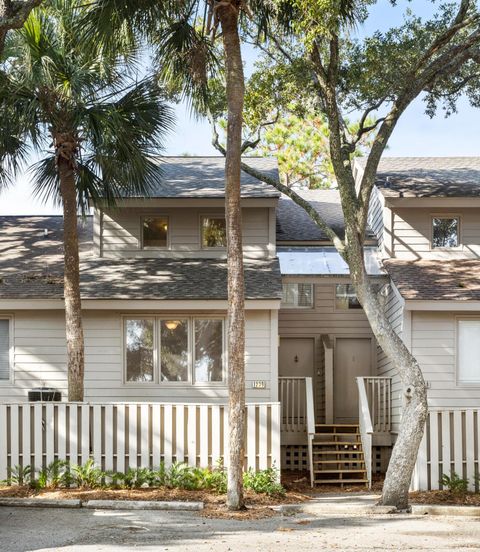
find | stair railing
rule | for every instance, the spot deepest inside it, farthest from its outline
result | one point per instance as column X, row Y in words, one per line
column 366, row 427
column 310, row 424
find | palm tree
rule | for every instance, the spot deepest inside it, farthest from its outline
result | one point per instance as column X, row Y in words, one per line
column 183, row 37
column 95, row 129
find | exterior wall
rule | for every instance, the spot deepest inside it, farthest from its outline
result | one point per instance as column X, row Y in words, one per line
column 395, row 313
column 433, row 345
column 321, row 320
column 412, row 230
column 118, row 232
column 40, row 360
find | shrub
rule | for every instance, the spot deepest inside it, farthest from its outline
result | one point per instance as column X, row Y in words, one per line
column 454, row 483
column 266, row 481
column 181, row 476
column 56, row 474
column 88, row 476
column 135, row 478
column 19, row 475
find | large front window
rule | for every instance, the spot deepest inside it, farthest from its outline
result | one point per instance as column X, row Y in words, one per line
column 4, row 349
column 468, row 352
column 346, row 298
column 184, row 349
column 155, row 232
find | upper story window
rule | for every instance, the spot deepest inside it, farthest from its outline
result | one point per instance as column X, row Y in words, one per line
column 4, row 349
column 155, row 232
column 445, row 232
column 297, row 296
column 214, row 231
column 183, row 350
column 468, row 352
column 346, row 298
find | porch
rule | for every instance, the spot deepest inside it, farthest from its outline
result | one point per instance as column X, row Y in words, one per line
column 340, row 453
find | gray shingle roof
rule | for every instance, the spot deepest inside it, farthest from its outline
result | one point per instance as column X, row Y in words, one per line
column 428, row 176
column 197, row 177
column 31, row 266
column 435, row 280
column 294, row 224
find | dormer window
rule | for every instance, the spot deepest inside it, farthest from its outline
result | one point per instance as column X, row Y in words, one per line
column 445, row 232
column 155, row 233
column 214, row 232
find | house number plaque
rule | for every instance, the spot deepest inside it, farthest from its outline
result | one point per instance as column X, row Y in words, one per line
column 259, row 384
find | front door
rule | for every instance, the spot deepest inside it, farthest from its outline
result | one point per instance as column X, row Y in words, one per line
column 295, row 357
column 353, row 358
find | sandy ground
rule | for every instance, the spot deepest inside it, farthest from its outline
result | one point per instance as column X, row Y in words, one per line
column 36, row 529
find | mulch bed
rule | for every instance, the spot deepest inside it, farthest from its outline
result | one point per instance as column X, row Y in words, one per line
column 446, row 498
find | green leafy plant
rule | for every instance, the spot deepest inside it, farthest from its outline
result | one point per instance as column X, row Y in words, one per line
column 87, row 476
column 181, row 476
column 135, row 478
column 19, row 475
column 56, row 474
column 265, row 481
column 454, row 483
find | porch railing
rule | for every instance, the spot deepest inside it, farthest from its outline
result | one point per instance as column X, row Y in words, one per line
column 374, row 413
column 298, row 411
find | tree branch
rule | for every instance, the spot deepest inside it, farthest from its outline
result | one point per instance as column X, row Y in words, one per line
column 13, row 15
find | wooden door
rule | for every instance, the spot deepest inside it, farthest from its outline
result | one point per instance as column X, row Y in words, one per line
column 295, row 357
column 353, row 358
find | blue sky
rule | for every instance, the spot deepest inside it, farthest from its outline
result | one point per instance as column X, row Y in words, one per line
column 415, row 135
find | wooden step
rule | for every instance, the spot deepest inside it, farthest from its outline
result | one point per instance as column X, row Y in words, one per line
column 353, row 452
column 337, row 443
column 359, row 470
column 347, row 461
column 340, row 481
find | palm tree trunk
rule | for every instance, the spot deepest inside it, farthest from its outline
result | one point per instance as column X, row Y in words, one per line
column 73, row 304
column 228, row 16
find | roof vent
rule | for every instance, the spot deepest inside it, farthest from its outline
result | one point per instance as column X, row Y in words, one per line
column 45, row 232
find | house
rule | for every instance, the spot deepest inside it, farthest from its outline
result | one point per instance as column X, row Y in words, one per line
column 320, row 392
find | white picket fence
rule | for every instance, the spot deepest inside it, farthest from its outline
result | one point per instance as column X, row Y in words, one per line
column 119, row 436
column 451, row 443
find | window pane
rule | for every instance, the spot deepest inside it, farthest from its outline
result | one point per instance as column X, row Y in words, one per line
column 139, row 337
column 174, row 350
column 345, row 297
column 4, row 350
column 297, row 295
column 214, row 233
column 468, row 351
column 445, row 232
column 155, row 231
column 208, row 350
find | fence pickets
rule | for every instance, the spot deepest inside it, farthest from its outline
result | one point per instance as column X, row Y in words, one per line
column 451, row 444
column 121, row 436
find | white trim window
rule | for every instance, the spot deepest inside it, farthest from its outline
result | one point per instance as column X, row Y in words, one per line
column 213, row 232
column 346, row 297
column 174, row 350
column 468, row 352
column 445, row 232
column 297, row 296
column 155, row 234
column 5, row 350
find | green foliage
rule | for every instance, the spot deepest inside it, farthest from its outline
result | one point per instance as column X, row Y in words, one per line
column 56, row 474
column 134, row 478
column 19, row 475
column 454, row 483
column 87, row 476
column 266, row 481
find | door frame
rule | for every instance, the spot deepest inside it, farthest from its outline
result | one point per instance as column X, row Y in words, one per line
column 329, row 383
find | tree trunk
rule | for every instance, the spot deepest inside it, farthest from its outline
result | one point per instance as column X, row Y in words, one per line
column 228, row 15
column 73, row 304
column 404, row 454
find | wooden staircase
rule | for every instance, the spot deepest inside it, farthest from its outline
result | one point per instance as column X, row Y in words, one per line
column 338, row 456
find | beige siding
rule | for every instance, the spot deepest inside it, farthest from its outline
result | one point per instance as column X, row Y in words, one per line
column 40, row 359
column 323, row 319
column 120, row 233
column 433, row 345
column 375, row 215
column 413, row 233
column 394, row 311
